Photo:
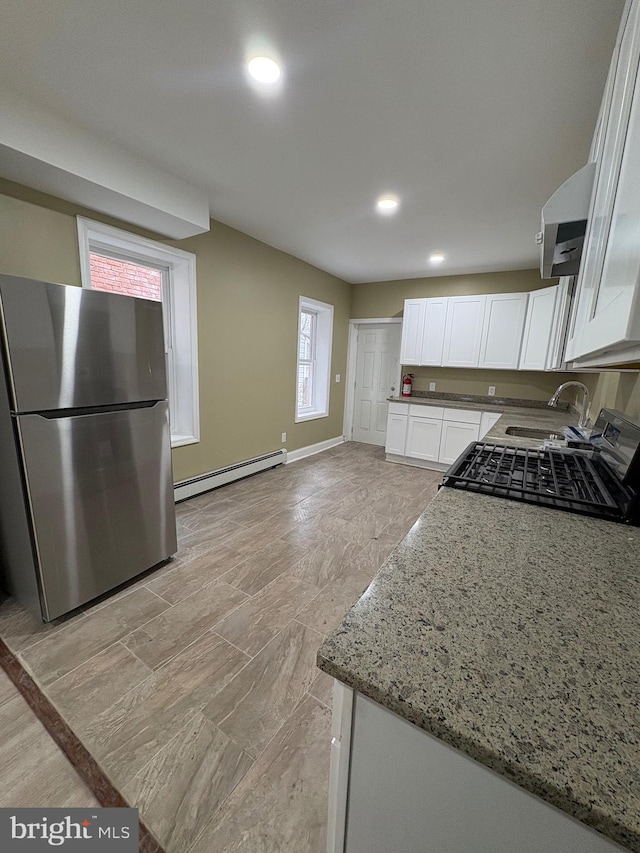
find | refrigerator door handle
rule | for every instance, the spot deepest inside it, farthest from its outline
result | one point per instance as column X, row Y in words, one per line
column 57, row 414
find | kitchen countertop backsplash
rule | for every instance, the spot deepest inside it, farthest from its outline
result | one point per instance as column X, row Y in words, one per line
column 477, row 399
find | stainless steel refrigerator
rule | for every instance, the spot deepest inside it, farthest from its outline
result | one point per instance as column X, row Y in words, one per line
column 86, row 487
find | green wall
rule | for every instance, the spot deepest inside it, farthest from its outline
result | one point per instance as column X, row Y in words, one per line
column 386, row 298
column 619, row 391
column 247, row 325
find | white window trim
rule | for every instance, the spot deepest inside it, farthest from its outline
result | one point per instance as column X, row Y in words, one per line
column 182, row 310
column 323, row 346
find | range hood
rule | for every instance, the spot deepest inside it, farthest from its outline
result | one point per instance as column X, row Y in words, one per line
column 564, row 223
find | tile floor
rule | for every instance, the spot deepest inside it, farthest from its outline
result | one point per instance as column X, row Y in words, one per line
column 34, row 771
column 195, row 687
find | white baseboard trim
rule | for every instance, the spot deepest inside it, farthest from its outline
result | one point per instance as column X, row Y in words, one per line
column 311, row 449
column 206, row 482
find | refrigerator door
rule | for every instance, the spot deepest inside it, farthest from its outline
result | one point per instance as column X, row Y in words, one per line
column 100, row 490
column 69, row 347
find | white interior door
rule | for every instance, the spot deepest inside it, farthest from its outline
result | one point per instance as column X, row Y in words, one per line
column 376, row 376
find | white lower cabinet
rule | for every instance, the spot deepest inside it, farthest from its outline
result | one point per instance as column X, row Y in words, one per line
column 455, row 438
column 432, row 435
column 395, row 787
column 396, row 434
column 423, row 438
column 487, row 421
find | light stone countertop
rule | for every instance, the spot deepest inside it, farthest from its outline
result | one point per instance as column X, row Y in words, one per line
column 511, row 632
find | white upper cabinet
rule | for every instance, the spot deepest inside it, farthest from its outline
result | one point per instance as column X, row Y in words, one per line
column 504, row 316
column 605, row 105
column 412, row 329
column 607, row 317
column 564, row 304
column 538, row 329
column 435, row 320
column 463, row 333
column 497, row 331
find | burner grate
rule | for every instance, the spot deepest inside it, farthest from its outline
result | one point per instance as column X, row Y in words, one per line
column 566, row 480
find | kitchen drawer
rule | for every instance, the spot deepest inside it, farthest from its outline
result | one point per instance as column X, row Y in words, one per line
column 462, row 416
column 418, row 411
column 398, row 409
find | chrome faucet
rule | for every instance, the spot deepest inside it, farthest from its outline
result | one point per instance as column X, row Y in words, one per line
column 585, row 400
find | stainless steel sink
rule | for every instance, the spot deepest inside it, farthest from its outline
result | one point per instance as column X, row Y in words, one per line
column 527, row 432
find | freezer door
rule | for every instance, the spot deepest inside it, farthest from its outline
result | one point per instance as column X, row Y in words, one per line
column 100, row 489
column 69, row 347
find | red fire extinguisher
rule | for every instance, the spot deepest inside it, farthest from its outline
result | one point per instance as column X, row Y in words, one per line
column 406, row 384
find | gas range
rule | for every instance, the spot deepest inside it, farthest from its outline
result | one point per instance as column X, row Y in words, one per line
column 603, row 482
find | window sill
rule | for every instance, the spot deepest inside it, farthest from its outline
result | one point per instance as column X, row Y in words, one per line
column 310, row 416
column 182, row 440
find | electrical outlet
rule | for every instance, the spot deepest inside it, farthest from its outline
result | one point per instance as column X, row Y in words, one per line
column 492, row 390
column 284, row 436
column 337, row 377
column 432, row 386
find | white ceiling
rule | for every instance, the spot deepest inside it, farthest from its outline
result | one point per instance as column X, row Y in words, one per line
column 472, row 111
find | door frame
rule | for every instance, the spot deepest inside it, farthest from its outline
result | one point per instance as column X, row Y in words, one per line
column 352, row 356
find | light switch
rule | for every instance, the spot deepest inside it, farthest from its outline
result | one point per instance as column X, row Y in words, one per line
column 284, row 436
column 337, row 377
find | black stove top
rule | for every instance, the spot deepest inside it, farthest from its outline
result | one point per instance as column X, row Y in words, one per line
column 571, row 480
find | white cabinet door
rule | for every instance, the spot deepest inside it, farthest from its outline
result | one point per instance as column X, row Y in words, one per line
column 538, row 328
column 608, row 295
column 412, row 329
column 504, row 315
column 463, row 331
column 563, row 309
column 605, row 105
column 455, row 438
column 489, row 419
column 435, row 319
column 396, row 434
column 423, row 438
column 411, row 793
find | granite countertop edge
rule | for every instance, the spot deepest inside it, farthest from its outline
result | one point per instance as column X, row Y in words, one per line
column 357, row 652
column 531, row 782
column 477, row 402
column 352, row 669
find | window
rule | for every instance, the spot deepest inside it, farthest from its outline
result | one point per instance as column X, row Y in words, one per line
column 315, row 331
column 120, row 262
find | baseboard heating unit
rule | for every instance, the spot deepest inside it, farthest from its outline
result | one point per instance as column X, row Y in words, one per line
column 206, row 482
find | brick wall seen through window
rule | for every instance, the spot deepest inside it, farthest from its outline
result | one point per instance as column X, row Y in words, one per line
column 123, row 277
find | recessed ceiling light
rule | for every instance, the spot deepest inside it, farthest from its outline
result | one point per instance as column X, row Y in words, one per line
column 387, row 204
column 436, row 258
column 264, row 70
